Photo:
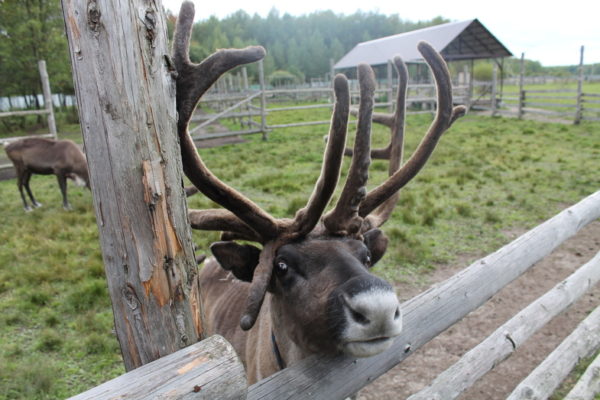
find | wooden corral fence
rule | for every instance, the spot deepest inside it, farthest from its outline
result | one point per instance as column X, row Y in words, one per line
column 191, row 373
column 48, row 110
column 250, row 108
column 572, row 104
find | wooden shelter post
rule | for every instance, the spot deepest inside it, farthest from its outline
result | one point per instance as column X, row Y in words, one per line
column 390, row 86
column 494, row 89
column 521, row 91
column 125, row 87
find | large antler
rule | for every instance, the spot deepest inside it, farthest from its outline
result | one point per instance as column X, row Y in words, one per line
column 445, row 116
column 242, row 219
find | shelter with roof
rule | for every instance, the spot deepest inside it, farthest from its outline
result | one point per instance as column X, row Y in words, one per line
column 456, row 41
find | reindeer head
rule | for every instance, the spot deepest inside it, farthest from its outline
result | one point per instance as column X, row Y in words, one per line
column 315, row 264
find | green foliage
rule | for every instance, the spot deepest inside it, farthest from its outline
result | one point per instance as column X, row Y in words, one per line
column 302, row 44
column 282, row 78
column 483, row 72
column 32, row 31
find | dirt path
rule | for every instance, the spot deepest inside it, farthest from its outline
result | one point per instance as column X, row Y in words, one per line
column 421, row 368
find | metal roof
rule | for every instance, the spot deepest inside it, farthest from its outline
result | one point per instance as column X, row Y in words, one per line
column 463, row 40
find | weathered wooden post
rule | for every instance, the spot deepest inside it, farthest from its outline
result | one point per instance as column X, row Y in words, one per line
column 263, row 99
column 494, row 88
column 125, row 86
column 47, row 97
column 390, row 86
column 578, row 113
column 521, row 91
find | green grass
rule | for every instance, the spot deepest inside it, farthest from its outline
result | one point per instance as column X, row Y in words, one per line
column 488, row 176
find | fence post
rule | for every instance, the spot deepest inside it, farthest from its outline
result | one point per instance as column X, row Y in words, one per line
column 245, row 78
column 47, row 97
column 521, row 91
column 578, row 113
column 469, row 77
column 390, row 88
column 494, row 88
column 263, row 100
column 135, row 169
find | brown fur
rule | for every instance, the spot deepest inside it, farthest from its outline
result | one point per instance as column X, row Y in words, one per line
column 297, row 314
column 62, row 158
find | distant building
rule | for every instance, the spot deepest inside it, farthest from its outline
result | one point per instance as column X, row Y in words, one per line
column 456, row 41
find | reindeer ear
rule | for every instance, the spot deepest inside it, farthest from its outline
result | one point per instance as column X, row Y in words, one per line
column 240, row 259
column 376, row 242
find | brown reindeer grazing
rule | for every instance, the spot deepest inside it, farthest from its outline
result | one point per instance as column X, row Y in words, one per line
column 308, row 289
column 62, row 158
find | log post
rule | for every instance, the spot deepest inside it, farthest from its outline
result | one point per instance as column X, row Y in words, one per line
column 263, row 99
column 521, row 89
column 47, row 97
column 494, row 104
column 125, row 87
column 579, row 112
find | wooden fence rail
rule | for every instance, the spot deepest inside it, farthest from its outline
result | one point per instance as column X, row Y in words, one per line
column 184, row 374
column 430, row 313
column 206, row 370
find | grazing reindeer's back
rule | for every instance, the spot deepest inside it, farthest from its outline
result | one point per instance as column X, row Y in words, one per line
column 62, row 158
column 307, row 289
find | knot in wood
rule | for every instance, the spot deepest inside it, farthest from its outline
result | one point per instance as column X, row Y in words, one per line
column 93, row 16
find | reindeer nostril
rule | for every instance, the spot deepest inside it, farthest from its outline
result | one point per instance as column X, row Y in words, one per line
column 358, row 317
column 397, row 313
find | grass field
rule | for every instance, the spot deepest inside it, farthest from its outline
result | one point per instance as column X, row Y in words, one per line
column 487, row 177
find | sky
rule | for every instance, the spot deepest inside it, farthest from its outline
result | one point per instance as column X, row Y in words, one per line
column 545, row 31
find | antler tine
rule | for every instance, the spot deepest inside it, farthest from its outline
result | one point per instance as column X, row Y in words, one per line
column 395, row 148
column 192, row 82
column 389, row 119
column 260, row 282
column 444, row 118
column 344, row 217
column 219, row 219
column 307, row 217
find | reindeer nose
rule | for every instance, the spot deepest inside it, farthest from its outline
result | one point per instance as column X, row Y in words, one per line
column 376, row 311
column 372, row 307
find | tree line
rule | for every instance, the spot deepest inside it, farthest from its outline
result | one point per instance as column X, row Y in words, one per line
column 299, row 47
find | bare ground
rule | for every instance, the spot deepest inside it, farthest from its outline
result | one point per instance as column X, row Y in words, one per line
column 421, row 368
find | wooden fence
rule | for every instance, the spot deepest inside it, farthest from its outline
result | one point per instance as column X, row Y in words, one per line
column 250, row 108
column 425, row 316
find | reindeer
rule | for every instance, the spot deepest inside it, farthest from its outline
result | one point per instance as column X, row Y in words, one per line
column 62, row 158
column 307, row 289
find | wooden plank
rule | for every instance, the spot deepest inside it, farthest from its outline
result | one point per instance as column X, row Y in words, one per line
column 511, row 335
column 430, row 313
column 226, row 134
column 588, row 386
column 21, row 113
column 223, row 114
column 538, row 104
column 548, row 112
column 126, row 100
column 5, row 141
column 552, row 91
column 546, row 377
column 205, row 370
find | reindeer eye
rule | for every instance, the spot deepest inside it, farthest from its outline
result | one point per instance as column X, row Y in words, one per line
column 368, row 261
column 282, row 267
